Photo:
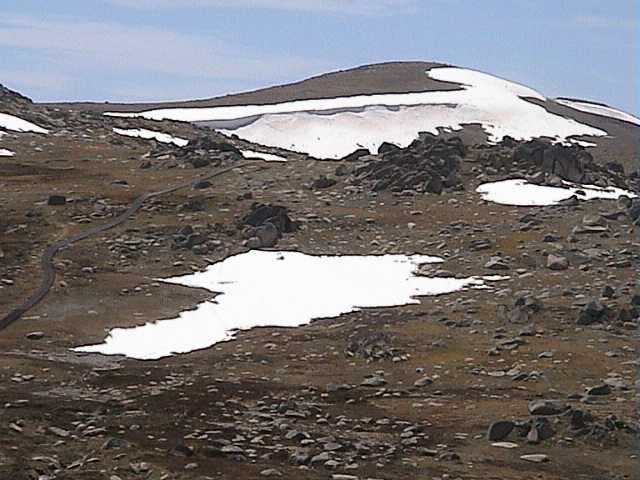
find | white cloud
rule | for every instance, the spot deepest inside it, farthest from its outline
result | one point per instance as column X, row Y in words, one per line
column 351, row 7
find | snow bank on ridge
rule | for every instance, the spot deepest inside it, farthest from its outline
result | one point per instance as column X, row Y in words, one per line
column 601, row 110
column 335, row 127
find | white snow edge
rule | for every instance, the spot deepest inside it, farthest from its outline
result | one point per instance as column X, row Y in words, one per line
column 16, row 124
column 152, row 135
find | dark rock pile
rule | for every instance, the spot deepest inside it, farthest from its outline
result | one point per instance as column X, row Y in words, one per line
column 200, row 242
column 545, row 163
column 624, row 315
column 200, row 152
column 265, row 225
column 524, row 310
column 373, row 346
column 429, row 165
column 553, row 418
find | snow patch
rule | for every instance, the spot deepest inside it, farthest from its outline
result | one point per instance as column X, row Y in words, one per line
column 335, row 127
column 267, row 157
column 519, row 192
column 281, row 289
column 6, row 153
column 151, row 134
column 601, row 110
column 15, row 124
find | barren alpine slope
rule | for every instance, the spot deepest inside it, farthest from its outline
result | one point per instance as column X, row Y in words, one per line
column 405, row 270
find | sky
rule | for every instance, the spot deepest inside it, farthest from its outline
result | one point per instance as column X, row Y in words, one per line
column 147, row 50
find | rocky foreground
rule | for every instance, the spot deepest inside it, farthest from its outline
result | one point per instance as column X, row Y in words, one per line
column 535, row 377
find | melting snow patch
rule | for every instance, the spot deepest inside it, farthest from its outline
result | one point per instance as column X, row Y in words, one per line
column 9, row 122
column 335, row 127
column 267, row 157
column 599, row 110
column 6, row 153
column 521, row 193
column 150, row 134
column 284, row 289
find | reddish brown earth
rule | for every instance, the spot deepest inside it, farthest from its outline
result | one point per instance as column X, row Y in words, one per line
column 244, row 408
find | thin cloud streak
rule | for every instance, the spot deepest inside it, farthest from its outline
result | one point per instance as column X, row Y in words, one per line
column 349, row 7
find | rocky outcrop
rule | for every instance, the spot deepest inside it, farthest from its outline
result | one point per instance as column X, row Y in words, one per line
column 266, row 224
column 429, row 165
column 543, row 162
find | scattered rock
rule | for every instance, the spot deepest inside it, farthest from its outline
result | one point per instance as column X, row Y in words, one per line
column 593, row 312
column 556, row 262
column 500, row 430
column 547, row 407
column 57, row 200
column 497, row 263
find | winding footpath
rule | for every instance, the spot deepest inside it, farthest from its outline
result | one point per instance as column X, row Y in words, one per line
column 46, row 261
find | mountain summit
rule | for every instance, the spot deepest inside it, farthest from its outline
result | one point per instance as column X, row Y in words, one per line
column 332, row 115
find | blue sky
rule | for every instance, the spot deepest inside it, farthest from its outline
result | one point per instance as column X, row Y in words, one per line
column 138, row 50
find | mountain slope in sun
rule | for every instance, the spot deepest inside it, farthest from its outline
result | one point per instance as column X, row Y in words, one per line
column 332, row 115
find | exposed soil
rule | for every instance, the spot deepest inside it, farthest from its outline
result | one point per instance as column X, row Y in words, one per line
column 392, row 77
column 339, row 396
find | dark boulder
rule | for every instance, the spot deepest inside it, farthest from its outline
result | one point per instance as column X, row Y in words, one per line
column 434, row 184
column 567, row 162
column 499, row 430
column 57, row 200
column 547, row 407
column 540, row 431
column 323, row 182
column 274, row 214
column 634, row 209
column 593, row 312
column 430, row 164
column 387, row 147
column 268, row 235
column 356, row 155
column 200, row 162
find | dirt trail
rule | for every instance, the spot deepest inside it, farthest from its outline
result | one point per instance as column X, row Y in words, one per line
column 46, row 261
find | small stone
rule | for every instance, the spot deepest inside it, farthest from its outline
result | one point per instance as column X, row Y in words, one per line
column 57, row 200
column 546, row 407
column 60, row 432
column 509, row 445
column 608, row 291
column 423, row 382
column 599, row 390
column 374, row 381
column 34, row 335
column 332, row 446
column 535, row 458
column 556, row 262
column 271, row 472
column 231, row 450
column 141, row 467
column 320, row 458
column 497, row 263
